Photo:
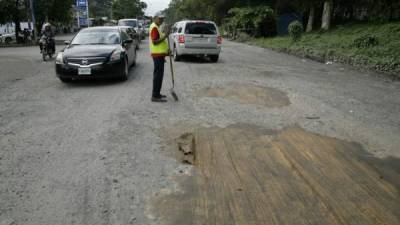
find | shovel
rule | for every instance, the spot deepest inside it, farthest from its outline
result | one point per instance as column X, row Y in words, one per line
column 172, row 91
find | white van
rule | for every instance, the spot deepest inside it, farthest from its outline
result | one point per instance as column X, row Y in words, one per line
column 132, row 23
column 195, row 37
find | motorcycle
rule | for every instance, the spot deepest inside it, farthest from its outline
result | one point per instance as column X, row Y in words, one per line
column 47, row 48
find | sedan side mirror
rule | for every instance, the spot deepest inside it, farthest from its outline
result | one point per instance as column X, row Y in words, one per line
column 67, row 42
column 127, row 41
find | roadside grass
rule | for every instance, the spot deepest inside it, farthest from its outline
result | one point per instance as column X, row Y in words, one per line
column 340, row 45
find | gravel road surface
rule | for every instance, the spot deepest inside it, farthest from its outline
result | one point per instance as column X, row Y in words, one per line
column 96, row 152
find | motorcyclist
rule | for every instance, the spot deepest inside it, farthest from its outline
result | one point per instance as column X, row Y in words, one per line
column 47, row 33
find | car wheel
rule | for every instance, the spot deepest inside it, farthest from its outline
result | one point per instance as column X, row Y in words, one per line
column 177, row 57
column 134, row 60
column 44, row 55
column 125, row 72
column 65, row 80
column 214, row 58
column 7, row 40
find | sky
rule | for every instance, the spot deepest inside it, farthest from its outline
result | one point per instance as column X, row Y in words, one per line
column 154, row 6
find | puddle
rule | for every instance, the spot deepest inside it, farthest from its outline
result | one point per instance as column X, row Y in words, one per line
column 249, row 175
column 248, row 94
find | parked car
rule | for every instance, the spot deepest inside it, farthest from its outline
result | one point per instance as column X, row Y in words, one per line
column 147, row 30
column 133, row 34
column 142, row 31
column 195, row 37
column 7, row 38
column 134, row 23
column 97, row 52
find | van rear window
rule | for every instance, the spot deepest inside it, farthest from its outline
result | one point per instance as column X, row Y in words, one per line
column 130, row 23
column 200, row 28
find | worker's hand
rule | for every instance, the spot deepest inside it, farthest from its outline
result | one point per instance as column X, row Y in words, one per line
column 167, row 31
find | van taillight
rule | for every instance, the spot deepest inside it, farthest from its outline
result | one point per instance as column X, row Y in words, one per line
column 219, row 40
column 181, row 39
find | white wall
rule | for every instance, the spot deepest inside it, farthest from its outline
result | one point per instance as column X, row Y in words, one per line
column 10, row 27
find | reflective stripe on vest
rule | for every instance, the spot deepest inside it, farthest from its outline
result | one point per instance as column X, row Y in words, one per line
column 160, row 48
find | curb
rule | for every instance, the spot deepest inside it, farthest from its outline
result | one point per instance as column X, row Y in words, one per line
column 391, row 75
column 58, row 42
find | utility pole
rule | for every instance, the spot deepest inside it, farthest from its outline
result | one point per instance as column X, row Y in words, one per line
column 33, row 19
column 87, row 12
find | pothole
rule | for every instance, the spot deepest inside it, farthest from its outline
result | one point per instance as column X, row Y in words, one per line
column 246, row 174
column 186, row 146
column 248, row 94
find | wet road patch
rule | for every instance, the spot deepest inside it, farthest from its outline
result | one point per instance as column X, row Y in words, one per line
column 247, row 94
column 249, row 175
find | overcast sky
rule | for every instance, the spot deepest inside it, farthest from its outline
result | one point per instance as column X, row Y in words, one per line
column 154, row 6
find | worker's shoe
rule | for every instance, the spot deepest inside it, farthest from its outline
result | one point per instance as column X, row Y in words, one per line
column 162, row 96
column 158, row 99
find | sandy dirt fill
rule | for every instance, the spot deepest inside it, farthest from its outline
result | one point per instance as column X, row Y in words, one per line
column 249, row 175
column 247, row 94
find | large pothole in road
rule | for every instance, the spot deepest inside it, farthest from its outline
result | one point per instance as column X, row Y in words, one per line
column 248, row 94
column 249, row 175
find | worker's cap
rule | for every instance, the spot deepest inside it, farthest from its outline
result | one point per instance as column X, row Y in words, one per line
column 159, row 15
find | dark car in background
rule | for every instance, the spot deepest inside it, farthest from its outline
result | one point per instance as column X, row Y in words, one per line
column 135, row 24
column 133, row 34
column 97, row 52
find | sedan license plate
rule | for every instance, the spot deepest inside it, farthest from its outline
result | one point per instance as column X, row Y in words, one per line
column 84, row 71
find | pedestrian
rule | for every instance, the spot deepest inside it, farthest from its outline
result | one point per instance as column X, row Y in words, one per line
column 26, row 34
column 159, row 49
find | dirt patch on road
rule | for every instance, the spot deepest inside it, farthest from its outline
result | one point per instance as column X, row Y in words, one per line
column 250, row 175
column 248, row 94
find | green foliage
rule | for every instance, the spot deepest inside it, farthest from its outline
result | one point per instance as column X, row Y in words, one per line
column 197, row 9
column 366, row 41
column 100, row 8
column 53, row 11
column 295, row 30
column 243, row 37
column 128, row 9
column 11, row 10
column 251, row 20
column 215, row 10
column 381, row 10
column 338, row 45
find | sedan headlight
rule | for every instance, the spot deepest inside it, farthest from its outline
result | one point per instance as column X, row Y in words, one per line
column 60, row 58
column 116, row 55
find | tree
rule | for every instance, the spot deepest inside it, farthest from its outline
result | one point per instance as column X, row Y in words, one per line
column 53, row 11
column 15, row 11
column 310, row 23
column 252, row 20
column 327, row 14
column 128, row 9
column 100, row 8
column 334, row 11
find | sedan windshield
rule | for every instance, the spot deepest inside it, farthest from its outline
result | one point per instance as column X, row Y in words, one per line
column 91, row 37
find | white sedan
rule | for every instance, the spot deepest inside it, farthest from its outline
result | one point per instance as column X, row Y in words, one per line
column 7, row 38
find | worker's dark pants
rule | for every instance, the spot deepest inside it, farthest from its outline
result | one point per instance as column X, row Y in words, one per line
column 158, row 75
